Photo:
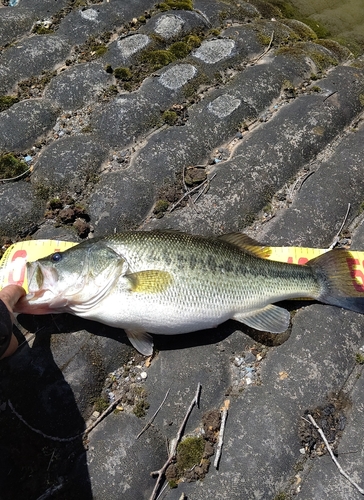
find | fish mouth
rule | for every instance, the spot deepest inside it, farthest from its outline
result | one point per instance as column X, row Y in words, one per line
column 42, row 296
column 41, row 278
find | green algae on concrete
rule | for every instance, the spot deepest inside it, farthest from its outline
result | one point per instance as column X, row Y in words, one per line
column 11, row 167
column 6, row 101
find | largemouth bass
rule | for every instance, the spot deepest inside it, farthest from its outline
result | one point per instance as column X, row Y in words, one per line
column 171, row 283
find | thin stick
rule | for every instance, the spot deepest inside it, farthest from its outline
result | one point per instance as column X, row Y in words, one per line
column 172, row 453
column 220, row 442
column 196, row 188
column 10, row 179
column 341, row 470
column 50, row 461
column 266, row 50
column 53, row 438
column 336, row 239
column 81, row 434
column 53, row 489
column 153, row 417
column 205, row 189
column 103, row 415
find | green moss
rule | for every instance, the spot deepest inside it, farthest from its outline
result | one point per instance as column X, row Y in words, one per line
column 140, row 408
column 170, row 117
column 160, row 207
column 192, row 86
column 100, row 404
column 179, row 49
column 263, row 39
column 214, row 32
column 359, row 358
column 361, row 99
column 42, row 191
column 322, row 61
column 302, row 30
column 317, row 27
column 10, row 166
column 6, row 101
column 337, row 49
column 267, row 9
column 110, row 92
column 98, row 50
column 280, row 496
column 356, row 46
column 293, row 51
column 54, row 203
column 193, row 41
column 123, row 74
column 286, row 8
column 40, row 29
column 176, row 4
column 158, row 58
column 189, row 453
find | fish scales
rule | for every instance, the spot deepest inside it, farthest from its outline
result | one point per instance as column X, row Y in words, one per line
column 171, row 282
column 219, row 270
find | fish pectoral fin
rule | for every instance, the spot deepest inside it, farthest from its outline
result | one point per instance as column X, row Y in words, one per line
column 248, row 244
column 150, row 281
column 142, row 341
column 271, row 319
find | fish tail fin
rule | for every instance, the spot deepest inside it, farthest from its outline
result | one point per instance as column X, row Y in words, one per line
column 341, row 283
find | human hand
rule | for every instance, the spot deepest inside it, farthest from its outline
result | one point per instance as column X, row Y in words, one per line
column 9, row 296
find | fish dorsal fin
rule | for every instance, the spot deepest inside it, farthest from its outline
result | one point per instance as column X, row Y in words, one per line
column 150, row 281
column 271, row 319
column 142, row 341
column 248, row 244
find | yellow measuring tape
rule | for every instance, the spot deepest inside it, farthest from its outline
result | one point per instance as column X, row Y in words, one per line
column 13, row 262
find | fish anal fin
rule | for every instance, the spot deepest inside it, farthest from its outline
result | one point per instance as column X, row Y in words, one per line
column 248, row 244
column 150, row 281
column 270, row 318
column 142, row 341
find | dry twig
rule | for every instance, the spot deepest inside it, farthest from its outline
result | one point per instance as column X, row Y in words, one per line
column 336, row 238
column 188, row 193
column 341, row 470
column 153, row 417
column 72, row 438
column 173, row 450
column 220, row 441
column 266, row 50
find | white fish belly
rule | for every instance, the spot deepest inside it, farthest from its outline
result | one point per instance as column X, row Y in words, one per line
column 149, row 314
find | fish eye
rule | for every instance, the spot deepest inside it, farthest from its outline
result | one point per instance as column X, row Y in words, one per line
column 56, row 257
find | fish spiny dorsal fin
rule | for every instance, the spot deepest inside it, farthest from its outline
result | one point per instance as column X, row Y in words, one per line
column 151, row 281
column 248, row 244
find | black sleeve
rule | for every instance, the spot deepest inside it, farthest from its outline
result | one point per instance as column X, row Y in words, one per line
column 6, row 328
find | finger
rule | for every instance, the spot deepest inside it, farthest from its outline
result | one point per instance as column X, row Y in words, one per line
column 11, row 294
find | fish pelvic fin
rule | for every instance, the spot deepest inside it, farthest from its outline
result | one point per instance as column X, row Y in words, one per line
column 248, row 244
column 271, row 318
column 142, row 341
column 149, row 281
column 341, row 284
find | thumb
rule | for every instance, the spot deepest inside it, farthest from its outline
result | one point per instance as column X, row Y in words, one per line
column 11, row 294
